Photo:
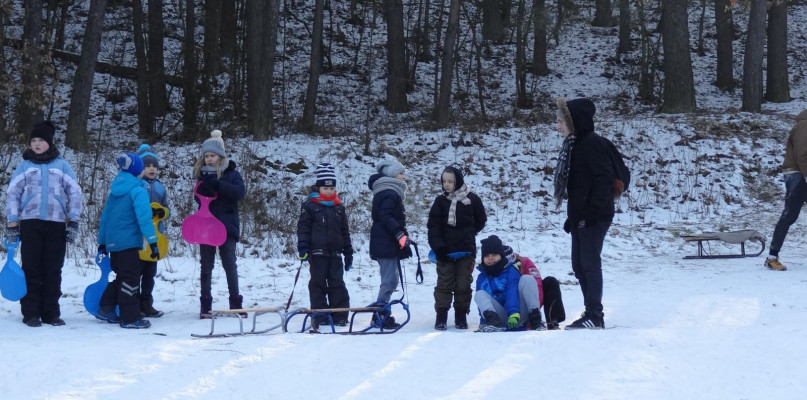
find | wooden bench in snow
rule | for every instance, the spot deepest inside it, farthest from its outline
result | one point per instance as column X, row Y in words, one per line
column 256, row 312
column 736, row 237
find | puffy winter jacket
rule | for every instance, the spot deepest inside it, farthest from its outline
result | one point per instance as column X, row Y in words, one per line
column 389, row 220
column 527, row 267
column 46, row 191
column 225, row 208
column 126, row 218
column 157, row 194
column 446, row 238
column 796, row 147
column 590, row 185
column 502, row 287
column 323, row 229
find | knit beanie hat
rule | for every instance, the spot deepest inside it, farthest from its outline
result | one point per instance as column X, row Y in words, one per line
column 509, row 254
column 326, row 176
column 492, row 245
column 458, row 179
column 130, row 163
column 214, row 145
column 390, row 168
column 148, row 156
column 45, row 131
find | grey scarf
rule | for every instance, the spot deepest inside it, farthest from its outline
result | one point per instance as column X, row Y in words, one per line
column 459, row 195
column 562, row 170
column 385, row 182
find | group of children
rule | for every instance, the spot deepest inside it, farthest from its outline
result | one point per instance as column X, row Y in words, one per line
column 44, row 206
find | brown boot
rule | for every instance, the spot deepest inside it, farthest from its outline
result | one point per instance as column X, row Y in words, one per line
column 236, row 304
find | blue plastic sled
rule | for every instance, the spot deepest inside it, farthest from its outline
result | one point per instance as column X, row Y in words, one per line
column 454, row 256
column 12, row 278
column 92, row 295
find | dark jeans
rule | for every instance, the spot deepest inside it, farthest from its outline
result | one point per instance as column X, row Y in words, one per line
column 795, row 196
column 454, row 280
column 326, row 289
column 124, row 291
column 587, row 244
column 553, row 300
column 147, row 283
column 42, row 252
column 227, row 254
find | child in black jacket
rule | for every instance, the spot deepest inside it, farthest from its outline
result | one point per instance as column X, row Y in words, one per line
column 323, row 235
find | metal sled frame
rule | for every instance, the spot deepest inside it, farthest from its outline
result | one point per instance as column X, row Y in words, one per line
column 215, row 314
column 736, row 237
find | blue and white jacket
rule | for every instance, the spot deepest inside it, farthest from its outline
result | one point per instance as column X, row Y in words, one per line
column 126, row 218
column 501, row 282
column 157, row 194
column 46, row 191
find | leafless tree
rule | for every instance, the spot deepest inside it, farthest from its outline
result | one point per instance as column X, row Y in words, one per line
column 314, row 69
column 679, row 83
column 752, row 62
column 396, row 57
column 777, row 89
column 724, row 23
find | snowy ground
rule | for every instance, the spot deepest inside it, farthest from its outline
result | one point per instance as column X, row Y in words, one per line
column 682, row 329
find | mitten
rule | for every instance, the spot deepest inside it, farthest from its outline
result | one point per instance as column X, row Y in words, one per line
column 102, row 249
column 512, row 322
column 158, row 212
column 13, row 233
column 348, row 261
column 442, row 255
column 303, row 255
column 72, row 232
column 155, row 252
column 567, row 226
column 212, row 181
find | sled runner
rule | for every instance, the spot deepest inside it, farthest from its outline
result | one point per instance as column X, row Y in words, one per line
column 162, row 241
column 736, row 237
column 202, row 227
column 12, row 277
column 92, row 295
column 216, row 314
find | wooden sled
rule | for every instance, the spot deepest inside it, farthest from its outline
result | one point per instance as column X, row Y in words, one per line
column 378, row 310
column 736, row 237
column 256, row 312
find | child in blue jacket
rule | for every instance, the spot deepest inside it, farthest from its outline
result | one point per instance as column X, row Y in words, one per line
column 43, row 205
column 125, row 221
column 157, row 194
column 503, row 295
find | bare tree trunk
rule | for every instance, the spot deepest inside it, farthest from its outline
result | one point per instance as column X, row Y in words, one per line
column 314, row 69
column 157, row 94
column 82, row 83
column 523, row 100
column 679, row 83
column 211, row 43
column 602, row 13
column 752, row 62
column 539, row 64
column 778, row 85
column 438, row 50
column 474, row 23
column 724, row 25
column 31, row 100
column 64, row 8
column 144, row 117
column 5, row 86
column 492, row 23
column 441, row 113
column 190, row 130
column 396, row 57
column 624, row 27
column 647, row 82
column 262, row 25
column 229, row 25
column 701, row 20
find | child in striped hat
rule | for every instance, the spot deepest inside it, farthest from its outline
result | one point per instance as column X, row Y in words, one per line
column 323, row 238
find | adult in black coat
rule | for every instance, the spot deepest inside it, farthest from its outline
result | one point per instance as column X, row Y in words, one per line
column 389, row 240
column 455, row 218
column 585, row 173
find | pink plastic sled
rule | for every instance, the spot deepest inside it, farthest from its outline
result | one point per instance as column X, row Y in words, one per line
column 202, row 227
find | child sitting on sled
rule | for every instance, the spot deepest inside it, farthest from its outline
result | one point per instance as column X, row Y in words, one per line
column 549, row 296
column 157, row 194
column 506, row 299
column 323, row 237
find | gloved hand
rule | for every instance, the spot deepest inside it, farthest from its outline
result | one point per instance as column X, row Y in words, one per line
column 567, row 226
column 102, row 249
column 442, row 255
column 212, row 181
column 303, row 255
column 158, row 212
column 155, row 252
column 13, row 233
column 512, row 322
column 403, row 240
column 71, row 232
column 348, row 260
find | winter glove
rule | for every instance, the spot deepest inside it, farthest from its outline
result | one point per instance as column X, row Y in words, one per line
column 155, row 252
column 567, row 226
column 102, row 249
column 212, row 181
column 348, row 261
column 72, row 232
column 158, row 212
column 512, row 322
column 13, row 233
column 304, row 255
column 442, row 255
column 403, row 240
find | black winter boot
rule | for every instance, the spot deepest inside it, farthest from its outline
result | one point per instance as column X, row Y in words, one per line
column 236, row 304
column 442, row 319
column 536, row 323
column 460, row 320
column 207, row 303
column 492, row 322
